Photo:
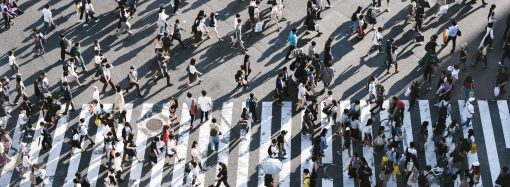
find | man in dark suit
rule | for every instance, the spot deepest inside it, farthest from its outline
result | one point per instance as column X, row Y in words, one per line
column 68, row 98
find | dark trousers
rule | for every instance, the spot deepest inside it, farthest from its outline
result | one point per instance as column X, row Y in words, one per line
column 165, row 74
column 204, row 114
column 105, row 84
column 7, row 21
column 63, row 54
column 253, row 112
column 378, row 105
column 82, row 11
column 82, row 138
column 453, row 39
column 290, row 50
column 224, row 181
column 70, row 102
column 176, row 6
column 192, row 117
column 178, row 38
column 18, row 96
column 91, row 15
column 505, row 55
column 133, row 84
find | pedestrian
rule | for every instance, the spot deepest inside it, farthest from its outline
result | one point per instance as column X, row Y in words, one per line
column 126, row 131
column 199, row 29
column 134, row 80
column 463, row 56
column 20, row 89
column 123, row 22
column 431, row 52
column 213, row 23
column 501, row 81
column 276, row 14
column 251, row 103
column 119, row 102
column 506, row 52
column 80, row 181
column 238, row 36
column 47, row 18
column 302, row 93
column 503, row 177
column 354, row 19
column 176, row 4
column 196, row 156
column 481, row 55
column 307, row 180
column 173, row 105
column 162, row 70
column 391, row 56
column 38, row 42
column 130, row 149
column 468, row 87
column 75, row 141
column 214, row 135
column 192, row 107
column 281, row 144
column 70, row 75
column 414, row 95
column 12, row 62
column 68, row 98
column 83, row 129
column 77, row 55
column 327, row 75
column 171, row 151
column 64, row 43
column 205, row 104
column 7, row 17
column 453, row 32
column 176, row 35
column 222, row 176
column 254, row 12
column 371, row 15
column 379, row 98
column 488, row 36
column 193, row 73
column 162, row 20
column 292, row 42
column 246, row 66
column 107, row 79
column 376, row 42
column 90, row 12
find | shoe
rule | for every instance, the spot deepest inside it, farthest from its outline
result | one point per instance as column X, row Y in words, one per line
column 64, row 113
column 72, row 110
column 97, row 20
column 85, row 25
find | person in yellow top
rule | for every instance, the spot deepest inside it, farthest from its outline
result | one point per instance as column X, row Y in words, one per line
column 307, row 180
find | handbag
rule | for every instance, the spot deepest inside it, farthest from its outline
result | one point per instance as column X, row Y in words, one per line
column 474, row 149
column 194, row 108
column 496, row 91
column 384, row 160
column 258, row 26
column 97, row 121
column 407, row 92
column 396, row 170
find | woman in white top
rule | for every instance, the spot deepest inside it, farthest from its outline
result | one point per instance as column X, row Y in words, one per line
column 367, row 131
column 89, row 12
column 162, row 18
column 276, row 14
column 95, row 94
column 193, row 73
column 171, row 152
column 119, row 102
column 213, row 23
column 488, row 36
column 158, row 44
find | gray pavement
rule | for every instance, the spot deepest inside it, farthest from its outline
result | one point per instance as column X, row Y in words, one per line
column 267, row 49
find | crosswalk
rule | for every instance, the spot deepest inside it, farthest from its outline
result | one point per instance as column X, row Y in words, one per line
column 242, row 152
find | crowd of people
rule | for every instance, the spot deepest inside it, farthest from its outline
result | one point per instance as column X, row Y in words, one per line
column 307, row 68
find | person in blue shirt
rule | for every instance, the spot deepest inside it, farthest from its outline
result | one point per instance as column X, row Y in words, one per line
column 292, row 42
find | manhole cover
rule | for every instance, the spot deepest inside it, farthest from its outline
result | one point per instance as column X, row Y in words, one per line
column 154, row 124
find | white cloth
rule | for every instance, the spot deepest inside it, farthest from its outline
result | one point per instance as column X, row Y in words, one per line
column 12, row 60
column 170, row 146
column 47, row 16
column 189, row 101
column 98, row 59
column 119, row 102
column 83, row 129
column 377, row 37
column 117, row 163
column 95, row 96
column 205, row 103
column 192, row 69
column 301, row 91
column 469, row 110
column 162, row 19
column 89, row 8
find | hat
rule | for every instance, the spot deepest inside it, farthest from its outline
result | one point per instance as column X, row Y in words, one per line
column 471, row 99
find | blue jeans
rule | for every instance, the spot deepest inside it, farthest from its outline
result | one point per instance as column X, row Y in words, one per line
column 466, row 93
column 213, row 142
column 466, row 123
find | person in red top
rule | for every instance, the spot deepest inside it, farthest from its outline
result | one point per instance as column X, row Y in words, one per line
column 166, row 134
column 398, row 110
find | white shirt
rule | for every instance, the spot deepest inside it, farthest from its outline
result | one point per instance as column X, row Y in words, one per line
column 452, row 31
column 170, row 145
column 26, row 161
column 47, row 15
column 469, row 110
column 205, row 103
column 106, row 74
column 328, row 100
column 89, row 7
column 98, row 59
column 83, row 129
column 119, row 101
column 95, row 96
column 76, row 137
column 192, row 69
column 455, row 73
column 377, row 37
column 301, row 91
column 195, row 153
column 108, row 148
column 117, row 163
column 274, row 150
column 133, row 76
column 189, row 101
column 12, row 60
column 367, row 129
column 162, row 18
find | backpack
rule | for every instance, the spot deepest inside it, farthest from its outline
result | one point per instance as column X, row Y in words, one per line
column 354, row 16
column 429, row 46
column 269, row 151
column 194, row 27
column 187, row 168
column 379, row 88
column 251, row 11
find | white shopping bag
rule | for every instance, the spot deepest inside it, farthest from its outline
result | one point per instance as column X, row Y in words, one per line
column 258, row 27
column 496, row 91
column 443, row 9
column 407, row 92
column 317, row 27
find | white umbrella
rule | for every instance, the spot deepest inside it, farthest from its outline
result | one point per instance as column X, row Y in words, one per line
column 271, row 166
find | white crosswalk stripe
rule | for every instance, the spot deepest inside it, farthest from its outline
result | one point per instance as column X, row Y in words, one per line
column 239, row 174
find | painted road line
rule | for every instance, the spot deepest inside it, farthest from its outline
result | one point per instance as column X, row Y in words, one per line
column 182, row 146
column 368, row 151
column 141, row 144
column 346, row 158
column 244, row 156
column 384, row 115
column 306, row 148
column 157, row 169
column 74, row 162
column 265, row 137
column 8, row 168
column 490, row 142
column 328, row 152
column 430, row 154
column 286, row 121
column 504, row 115
column 98, row 151
column 225, row 126
column 203, row 142
column 58, row 141
column 34, row 150
column 471, row 157
column 407, row 127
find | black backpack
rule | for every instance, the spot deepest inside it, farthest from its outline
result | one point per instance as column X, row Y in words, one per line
column 269, row 152
column 251, row 11
column 187, row 168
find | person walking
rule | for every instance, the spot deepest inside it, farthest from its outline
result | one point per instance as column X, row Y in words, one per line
column 7, row 17
column 193, row 73
column 176, row 33
column 213, row 24
column 214, row 135
column 162, row 20
column 123, row 22
column 501, row 80
column 134, row 80
column 162, row 69
column 391, row 56
column 38, row 42
column 506, row 52
column 107, row 78
column 20, row 89
column 292, row 42
column 68, row 98
column 327, row 75
column 205, row 104
column 77, row 55
column 251, row 103
column 192, row 107
column 376, row 42
column 238, row 36
column 414, row 95
column 222, row 176
column 83, row 130
column 90, row 12
column 453, row 32
column 47, row 18
column 12, row 62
